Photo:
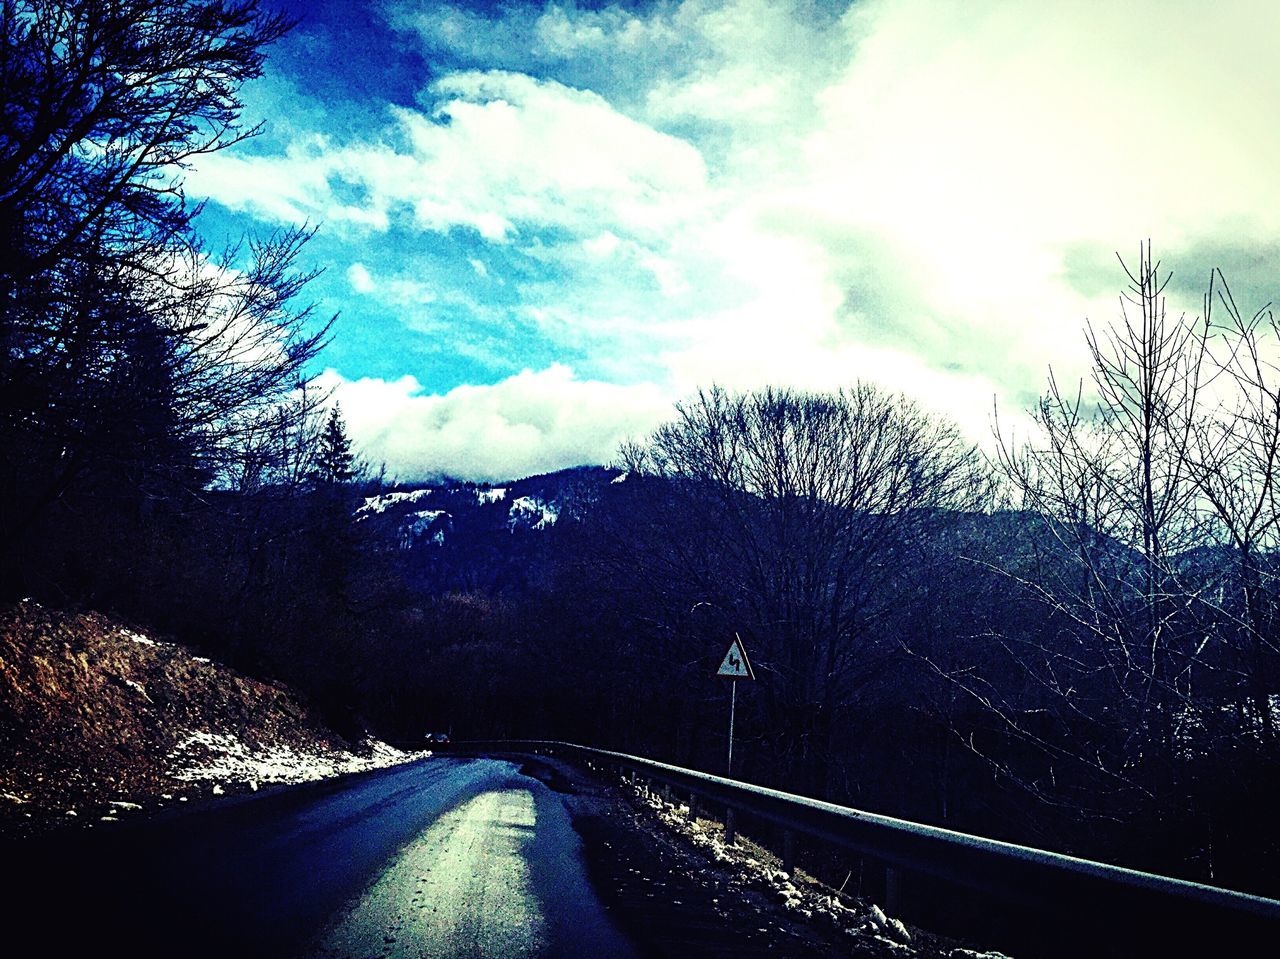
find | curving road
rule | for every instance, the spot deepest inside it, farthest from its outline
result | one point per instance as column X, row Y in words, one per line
column 444, row 857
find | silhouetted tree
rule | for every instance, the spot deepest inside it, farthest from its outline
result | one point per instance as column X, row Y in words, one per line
column 790, row 512
column 125, row 348
column 1153, row 491
column 335, row 463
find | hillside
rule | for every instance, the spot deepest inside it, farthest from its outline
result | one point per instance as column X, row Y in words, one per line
column 463, row 536
column 98, row 720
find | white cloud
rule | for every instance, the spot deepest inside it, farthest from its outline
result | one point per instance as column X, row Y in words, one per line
column 498, row 151
column 777, row 191
column 302, row 182
column 588, row 49
column 532, row 422
column 360, row 279
column 981, row 141
column 399, row 291
column 601, row 247
column 511, row 148
column 907, row 216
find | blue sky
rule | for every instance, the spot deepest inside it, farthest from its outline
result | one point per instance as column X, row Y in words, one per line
column 543, row 223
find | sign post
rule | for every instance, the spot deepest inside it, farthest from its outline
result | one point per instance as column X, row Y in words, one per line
column 735, row 666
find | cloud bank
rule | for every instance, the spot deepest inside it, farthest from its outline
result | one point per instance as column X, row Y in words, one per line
column 629, row 204
column 533, row 422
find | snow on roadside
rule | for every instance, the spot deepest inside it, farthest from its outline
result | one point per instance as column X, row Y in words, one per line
column 138, row 638
column 224, row 759
column 106, row 720
column 804, row 897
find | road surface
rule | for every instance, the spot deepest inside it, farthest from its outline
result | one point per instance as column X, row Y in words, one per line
column 445, row 857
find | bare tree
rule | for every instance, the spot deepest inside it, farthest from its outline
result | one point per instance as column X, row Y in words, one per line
column 1237, row 455
column 125, row 348
column 1136, row 482
column 1112, row 473
column 794, row 511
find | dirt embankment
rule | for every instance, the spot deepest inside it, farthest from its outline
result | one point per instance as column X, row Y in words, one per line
column 98, row 719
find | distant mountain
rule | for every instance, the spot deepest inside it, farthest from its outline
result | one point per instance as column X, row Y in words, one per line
column 453, row 535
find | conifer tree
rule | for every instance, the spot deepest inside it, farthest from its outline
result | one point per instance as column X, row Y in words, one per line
column 335, row 463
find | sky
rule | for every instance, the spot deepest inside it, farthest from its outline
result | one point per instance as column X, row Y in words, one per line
column 542, row 224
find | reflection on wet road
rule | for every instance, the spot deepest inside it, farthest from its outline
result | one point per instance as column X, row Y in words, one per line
column 469, row 886
column 445, row 857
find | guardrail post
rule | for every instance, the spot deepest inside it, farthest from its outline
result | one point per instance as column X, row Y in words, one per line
column 693, row 807
column 730, row 827
column 892, row 890
column 789, row 852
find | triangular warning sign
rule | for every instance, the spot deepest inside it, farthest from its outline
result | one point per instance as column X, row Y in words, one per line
column 735, row 664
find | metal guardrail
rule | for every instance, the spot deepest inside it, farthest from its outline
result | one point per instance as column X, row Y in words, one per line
column 1126, row 905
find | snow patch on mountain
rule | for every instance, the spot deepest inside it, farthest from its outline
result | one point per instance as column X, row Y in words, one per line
column 486, row 496
column 530, row 512
column 417, row 525
column 374, row 505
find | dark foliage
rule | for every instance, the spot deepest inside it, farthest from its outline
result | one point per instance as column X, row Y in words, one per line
column 1094, row 671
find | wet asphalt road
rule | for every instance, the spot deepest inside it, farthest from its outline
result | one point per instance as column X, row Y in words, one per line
column 443, row 857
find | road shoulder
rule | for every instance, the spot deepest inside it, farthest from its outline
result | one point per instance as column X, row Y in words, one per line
column 678, row 891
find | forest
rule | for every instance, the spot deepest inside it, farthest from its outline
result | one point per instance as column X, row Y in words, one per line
column 1066, row 636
